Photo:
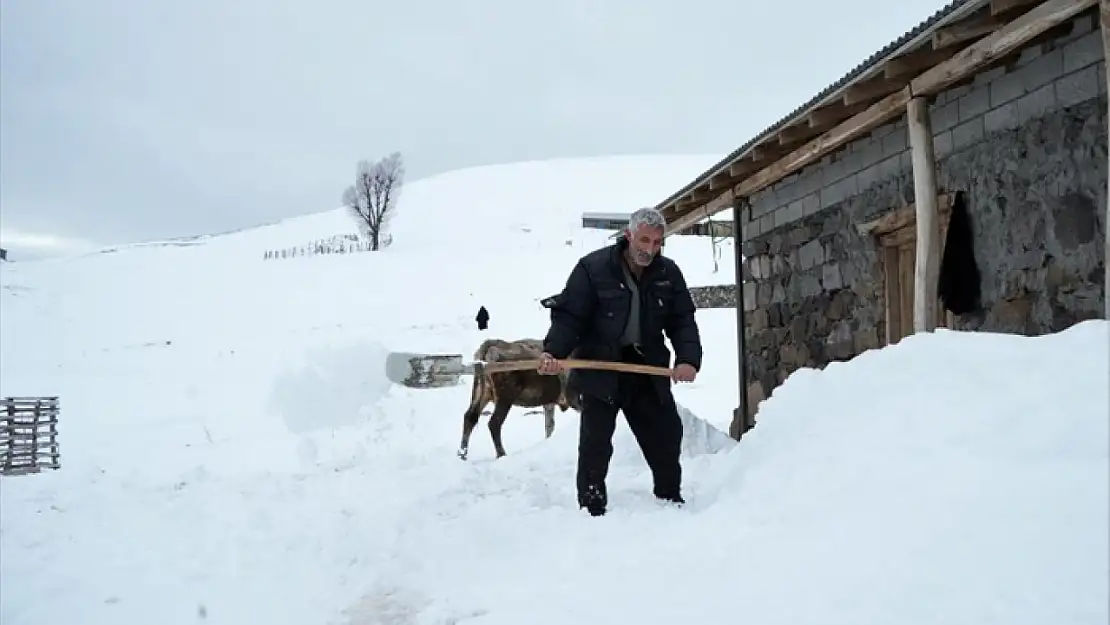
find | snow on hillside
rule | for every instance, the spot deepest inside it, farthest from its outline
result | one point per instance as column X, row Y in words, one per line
column 232, row 454
column 498, row 208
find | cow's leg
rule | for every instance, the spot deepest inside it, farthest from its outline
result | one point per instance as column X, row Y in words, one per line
column 500, row 413
column 470, row 421
column 548, row 420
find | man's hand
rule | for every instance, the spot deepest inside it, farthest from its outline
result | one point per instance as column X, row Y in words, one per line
column 684, row 373
column 549, row 365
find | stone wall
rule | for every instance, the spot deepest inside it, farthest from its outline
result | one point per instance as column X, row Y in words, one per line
column 1037, row 200
column 715, row 296
column 812, row 298
column 1025, row 143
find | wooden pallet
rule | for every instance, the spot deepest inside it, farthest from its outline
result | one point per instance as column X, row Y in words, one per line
column 28, row 435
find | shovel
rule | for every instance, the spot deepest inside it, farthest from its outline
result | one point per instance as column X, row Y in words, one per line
column 434, row 370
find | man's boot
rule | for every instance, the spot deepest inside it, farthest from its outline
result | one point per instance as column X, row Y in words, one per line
column 593, row 499
column 669, row 496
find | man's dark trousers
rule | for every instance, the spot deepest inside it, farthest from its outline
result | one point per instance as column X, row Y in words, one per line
column 653, row 418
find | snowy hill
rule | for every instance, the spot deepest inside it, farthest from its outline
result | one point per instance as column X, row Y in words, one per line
column 232, row 454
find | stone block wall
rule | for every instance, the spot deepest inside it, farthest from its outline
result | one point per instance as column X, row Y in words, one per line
column 714, row 296
column 1027, row 145
column 813, row 296
column 1037, row 201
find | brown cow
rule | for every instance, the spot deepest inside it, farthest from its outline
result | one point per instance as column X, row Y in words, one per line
column 526, row 389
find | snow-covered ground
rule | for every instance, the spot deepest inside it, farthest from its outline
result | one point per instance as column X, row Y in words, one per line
column 232, row 454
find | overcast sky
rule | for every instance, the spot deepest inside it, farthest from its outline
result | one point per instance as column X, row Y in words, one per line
column 130, row 120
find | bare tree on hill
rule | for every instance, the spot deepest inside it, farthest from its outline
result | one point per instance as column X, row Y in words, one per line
column 372, row 200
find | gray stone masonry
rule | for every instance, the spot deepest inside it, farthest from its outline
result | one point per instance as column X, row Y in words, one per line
column 1026, row 144
column 1055, row 75
column 811, row 296
column 1036, row 196
column 715, row 296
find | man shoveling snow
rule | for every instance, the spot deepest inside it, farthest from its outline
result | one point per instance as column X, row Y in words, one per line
column 616, row 305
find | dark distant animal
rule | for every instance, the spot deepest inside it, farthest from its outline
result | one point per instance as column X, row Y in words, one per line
column 482, row 318
column 526, row 389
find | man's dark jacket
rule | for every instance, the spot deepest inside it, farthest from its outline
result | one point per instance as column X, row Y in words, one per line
column 589, row 315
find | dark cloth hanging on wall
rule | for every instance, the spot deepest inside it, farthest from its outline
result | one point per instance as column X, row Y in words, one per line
column 958, row 284
column 482, row 318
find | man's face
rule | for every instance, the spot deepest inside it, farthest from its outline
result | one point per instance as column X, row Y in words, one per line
column 644, row 243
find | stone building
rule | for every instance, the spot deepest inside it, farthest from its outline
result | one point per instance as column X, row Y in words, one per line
column 991, row 114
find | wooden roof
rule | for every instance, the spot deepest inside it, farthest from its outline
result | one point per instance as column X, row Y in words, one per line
column 964, row 38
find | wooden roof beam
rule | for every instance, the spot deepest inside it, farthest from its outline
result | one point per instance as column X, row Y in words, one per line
column 968, row 30
column 1007, row 40
column 769, row 150
column 867, row 92
column 722, row 180
column 696, row 214
column 835, row 113
column 765, row 150
column 915, row 62
column 979, row 25
column 999, row 7
column 747, row 168
column 750, row 162
column 875, row 115
column 699, row 194
column 801, row 132
column 742, row 167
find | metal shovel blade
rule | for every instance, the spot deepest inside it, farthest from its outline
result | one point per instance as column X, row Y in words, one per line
column 425, row 370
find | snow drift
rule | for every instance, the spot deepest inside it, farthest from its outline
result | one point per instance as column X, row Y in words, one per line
column 228, row 456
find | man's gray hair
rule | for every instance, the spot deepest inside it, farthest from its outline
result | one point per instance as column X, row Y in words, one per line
column 646, row 217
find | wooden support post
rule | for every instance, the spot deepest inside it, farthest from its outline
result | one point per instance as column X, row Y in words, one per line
column 1104, row 21
column 927, row 264
column 741, row 417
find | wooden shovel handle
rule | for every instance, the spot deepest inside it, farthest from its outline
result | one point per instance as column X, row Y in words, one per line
column 570, row 363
